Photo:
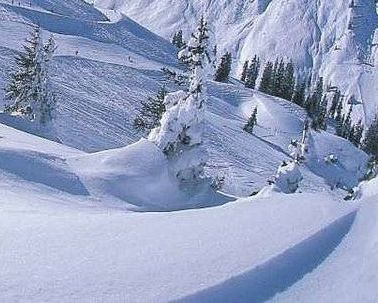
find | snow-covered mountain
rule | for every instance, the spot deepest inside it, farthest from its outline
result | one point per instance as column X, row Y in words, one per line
column 99, row 217
column 333, row 39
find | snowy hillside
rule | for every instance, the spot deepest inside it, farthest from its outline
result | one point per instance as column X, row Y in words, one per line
column 118, row 65
column 334, row 39
column 93, row 210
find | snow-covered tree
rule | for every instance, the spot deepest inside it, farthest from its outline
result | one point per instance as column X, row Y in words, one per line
column 151, row 112
column 251, row 122
column 29, row 93
column 223, row 70
column 287, row 178
column 299, row 149
column 180, row 135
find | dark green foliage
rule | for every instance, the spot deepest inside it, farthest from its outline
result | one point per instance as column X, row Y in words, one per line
column 319, row 121
column 288, row 82
column 251, row 122
column 28, row 91
column 299, row 94
column 347, row 125
column 223, row 71
column 244, row 71
column 178, row 40
column 356, row 134
column 312, row 104
column 370, row 144
column 151, row 112
column 252, row 73
column 266, row 80
column 335, row 103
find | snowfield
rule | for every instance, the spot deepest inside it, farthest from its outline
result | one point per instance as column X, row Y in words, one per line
column 90, row 212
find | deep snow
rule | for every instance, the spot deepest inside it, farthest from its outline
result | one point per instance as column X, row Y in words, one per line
column 68, row 227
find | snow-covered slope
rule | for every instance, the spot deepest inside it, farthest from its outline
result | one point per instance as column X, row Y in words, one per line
column 60, row 246
column 68, row 230
column 327, row 38
column 118, row 65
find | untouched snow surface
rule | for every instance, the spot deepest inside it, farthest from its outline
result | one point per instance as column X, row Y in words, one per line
column 64, row 246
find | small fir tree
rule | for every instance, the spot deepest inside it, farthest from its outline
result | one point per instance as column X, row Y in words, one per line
column 370, row 143
column 178, row 40
column 266, row 80
column 252, row 121
column 244, row 71
column 151, row 112
column 299, row 94
column 223, row 71
column 29, row 93
column 252, row 73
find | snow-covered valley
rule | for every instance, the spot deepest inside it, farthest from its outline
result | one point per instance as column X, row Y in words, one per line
column 98, row 216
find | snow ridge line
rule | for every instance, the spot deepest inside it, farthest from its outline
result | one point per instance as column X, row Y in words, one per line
column 264, row 281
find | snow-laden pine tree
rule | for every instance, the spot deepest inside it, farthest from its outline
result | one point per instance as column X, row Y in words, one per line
column 29, row 93
column 180, row 135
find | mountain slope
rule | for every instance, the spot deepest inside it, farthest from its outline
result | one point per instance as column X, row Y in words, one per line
column 118, row 65
column 326, row 38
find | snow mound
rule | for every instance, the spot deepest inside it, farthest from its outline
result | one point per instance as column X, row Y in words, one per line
column 139, row 174
column 350, row 273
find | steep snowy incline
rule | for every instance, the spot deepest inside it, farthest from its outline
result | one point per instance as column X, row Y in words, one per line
column 329, row 38
column 100, row 89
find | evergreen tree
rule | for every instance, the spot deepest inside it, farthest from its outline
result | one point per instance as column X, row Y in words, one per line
column 252, row 121
column 288, row 82
column 28, row 92
column 314, row 101
column 334, row 104
column 223, row 71
column 266, row 80
column 357, row 133
column 178, row 40
column 151, row 112
column 320, row 117
column 252, row 73
column 299, row 94
column 339, row 118
column 370, row 144
column 244, row 71
column 347, row 125
column 278, row 79
column 180, row 135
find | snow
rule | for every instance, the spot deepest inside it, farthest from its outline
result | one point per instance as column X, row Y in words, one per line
column 349, row 274
column 315, row 34
column 98, row 216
